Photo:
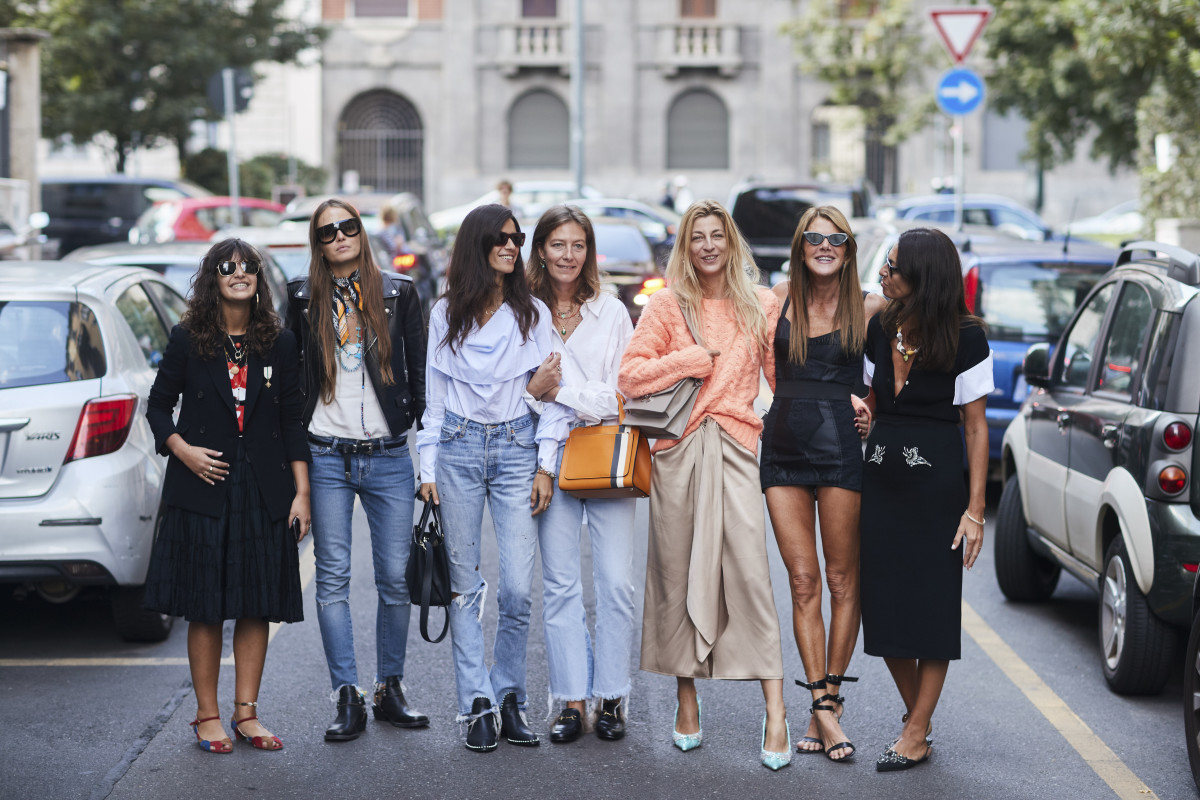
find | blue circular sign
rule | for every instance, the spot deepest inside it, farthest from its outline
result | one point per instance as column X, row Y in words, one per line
column 959, row 92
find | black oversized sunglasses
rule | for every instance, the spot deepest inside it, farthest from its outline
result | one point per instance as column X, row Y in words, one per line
column 349, row 227
column 890, row 266
column 230, row 267
column 517, row 238
column 835, row 239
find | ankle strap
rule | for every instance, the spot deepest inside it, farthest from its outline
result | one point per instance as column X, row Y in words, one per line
column 836, row 680
column 811, row 686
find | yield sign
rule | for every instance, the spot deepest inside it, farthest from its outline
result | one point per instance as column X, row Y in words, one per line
column 960, row 27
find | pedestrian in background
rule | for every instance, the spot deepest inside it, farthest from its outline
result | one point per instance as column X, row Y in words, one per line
column 593, row 328
column 709, row 610
column 480, row 443
column 929, row 366
column 225, row 548
column 362, row 343
column 812, row 458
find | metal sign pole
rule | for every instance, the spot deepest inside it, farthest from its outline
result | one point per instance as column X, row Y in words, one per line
column 960, row 177
column 231, row 155
column 577, row 79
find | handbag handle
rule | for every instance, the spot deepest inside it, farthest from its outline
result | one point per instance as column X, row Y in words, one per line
column 426, row 589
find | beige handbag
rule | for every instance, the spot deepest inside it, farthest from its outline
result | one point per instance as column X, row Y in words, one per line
column 665, row 414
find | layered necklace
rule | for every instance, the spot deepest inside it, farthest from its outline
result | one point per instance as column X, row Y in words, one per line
column 564, row 317
column 905, row 352
column 235, row 353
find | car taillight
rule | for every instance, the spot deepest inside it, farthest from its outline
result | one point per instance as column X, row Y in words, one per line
column 404, row 261
column 103, row 426
column 971, row 288
column 1172, row 480
column 1177, row 436
column 1191, row 567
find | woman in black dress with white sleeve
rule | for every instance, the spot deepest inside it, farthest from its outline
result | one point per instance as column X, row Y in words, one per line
column 929, row 366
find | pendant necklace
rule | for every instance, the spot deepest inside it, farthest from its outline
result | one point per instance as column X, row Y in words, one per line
column 237, row 355
column 905, row 352
column 564, row 316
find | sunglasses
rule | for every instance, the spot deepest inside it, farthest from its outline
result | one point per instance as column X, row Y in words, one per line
column 349, row 227
column 835, row 239
column 889, row 266
column 517, row 238
column 230, row 267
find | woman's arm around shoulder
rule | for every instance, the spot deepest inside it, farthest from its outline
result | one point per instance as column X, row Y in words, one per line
column 651, row 362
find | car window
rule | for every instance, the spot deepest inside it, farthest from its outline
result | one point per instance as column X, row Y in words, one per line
column 620, row 243
column 944, row 216
column 1081, row 341
column 974, row 216
column 1032, row 302
column 147, row 328
column 260, row 217
column 45, row 342
column 171, row 303
column 1006, row 216
column 1123, row 350
column 212, row 218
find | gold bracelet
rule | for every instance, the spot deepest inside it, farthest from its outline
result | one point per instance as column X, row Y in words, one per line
column 978, row 522
column 546, row 472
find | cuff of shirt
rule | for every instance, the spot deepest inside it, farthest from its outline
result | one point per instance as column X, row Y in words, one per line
column 548, row 455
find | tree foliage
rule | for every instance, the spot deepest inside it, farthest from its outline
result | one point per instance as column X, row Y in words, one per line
column 137, row 70
column 257, row 177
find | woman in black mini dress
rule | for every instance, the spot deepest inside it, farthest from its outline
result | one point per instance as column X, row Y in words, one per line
column 237, row 478
column 812, row 458
column 930, row 368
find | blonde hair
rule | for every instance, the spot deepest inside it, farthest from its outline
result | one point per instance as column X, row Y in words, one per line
column 741, row 275
column 850, row 318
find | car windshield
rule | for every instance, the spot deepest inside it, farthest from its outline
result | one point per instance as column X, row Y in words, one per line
column 772, row 214
column 617, row 243
column 1032, row 302
column 45, row 342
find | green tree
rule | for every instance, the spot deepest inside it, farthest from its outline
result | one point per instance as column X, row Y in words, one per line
column 874, row 62
column 257, row 177
column 133, row 73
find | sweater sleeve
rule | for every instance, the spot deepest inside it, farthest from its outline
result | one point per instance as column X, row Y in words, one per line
column 651, row 362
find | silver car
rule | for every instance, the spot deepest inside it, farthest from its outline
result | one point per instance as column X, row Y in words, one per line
column 80, row 483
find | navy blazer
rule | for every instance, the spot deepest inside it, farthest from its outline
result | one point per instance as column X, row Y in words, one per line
column 273, row 432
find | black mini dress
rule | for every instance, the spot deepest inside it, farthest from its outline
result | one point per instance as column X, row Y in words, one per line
column 809, row 438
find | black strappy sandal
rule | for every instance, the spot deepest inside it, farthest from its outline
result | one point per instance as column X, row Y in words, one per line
column 836, row 680
column 815, row 740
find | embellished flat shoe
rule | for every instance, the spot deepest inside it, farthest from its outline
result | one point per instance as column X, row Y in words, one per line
column 687, row 741
column 222, row 746
column 770, row 760
column 257, row 742
column 891, row 761
column 928, row 730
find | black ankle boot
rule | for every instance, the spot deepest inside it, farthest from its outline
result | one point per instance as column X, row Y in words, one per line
column 611, row 724
column 512, row 723
column 481, row 731
column 390, row 706
column 351, row 718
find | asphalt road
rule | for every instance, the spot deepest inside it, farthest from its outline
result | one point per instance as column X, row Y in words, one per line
column 1025, row 714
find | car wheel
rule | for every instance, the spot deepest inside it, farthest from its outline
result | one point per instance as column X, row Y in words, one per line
column 1136, row 647
column 134, row 623
column 1023, row 575
column 1191, row 699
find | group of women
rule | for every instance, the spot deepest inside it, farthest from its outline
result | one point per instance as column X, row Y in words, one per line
column 516, row 356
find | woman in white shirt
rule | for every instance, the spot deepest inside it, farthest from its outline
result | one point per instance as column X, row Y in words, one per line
column 480, row 442
column 592, row 329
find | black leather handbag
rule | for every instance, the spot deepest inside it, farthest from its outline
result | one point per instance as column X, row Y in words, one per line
column 428, row 572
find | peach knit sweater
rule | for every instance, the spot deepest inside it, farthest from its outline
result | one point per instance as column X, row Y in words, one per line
column 662, row 352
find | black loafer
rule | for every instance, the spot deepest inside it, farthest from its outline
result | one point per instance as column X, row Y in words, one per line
column 512, row 723
column 611, row 724
column 481, row 731
column 568, row 727
column 351, row 719
column 390, row 706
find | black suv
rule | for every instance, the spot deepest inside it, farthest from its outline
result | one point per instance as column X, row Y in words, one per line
column 1099, row 464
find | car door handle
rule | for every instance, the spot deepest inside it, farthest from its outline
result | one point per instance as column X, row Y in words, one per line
column 1109, row 435
column 1064, row 420
column 13, row 424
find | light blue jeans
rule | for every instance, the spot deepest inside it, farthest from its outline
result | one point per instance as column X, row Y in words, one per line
column 384, row 484
column 577, row 670
column 478, row 463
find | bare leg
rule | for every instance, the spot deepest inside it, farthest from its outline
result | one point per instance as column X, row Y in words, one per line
column 689, row 710
column 204, row 658
column 777, row 738
column 929, row 676
column 249, row 655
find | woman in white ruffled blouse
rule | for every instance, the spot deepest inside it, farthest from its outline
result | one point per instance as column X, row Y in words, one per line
column 480, row 442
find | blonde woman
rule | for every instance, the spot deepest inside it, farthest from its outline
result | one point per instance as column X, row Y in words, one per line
column 709, row 611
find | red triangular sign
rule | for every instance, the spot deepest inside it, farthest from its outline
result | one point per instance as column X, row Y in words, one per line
column 960, row 27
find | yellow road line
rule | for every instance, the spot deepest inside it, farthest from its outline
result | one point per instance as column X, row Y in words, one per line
column 1090, row 747
column 308, row 567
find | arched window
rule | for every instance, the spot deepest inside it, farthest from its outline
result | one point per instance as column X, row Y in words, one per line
column 380, row 136
column 697, row 132
column 538, row 132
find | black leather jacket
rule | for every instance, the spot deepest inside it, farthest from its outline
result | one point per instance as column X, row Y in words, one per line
column 403, row 402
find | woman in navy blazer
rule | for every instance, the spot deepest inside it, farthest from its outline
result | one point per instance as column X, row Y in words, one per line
column 236, row 495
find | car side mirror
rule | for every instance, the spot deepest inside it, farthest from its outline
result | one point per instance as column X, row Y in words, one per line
column 1036, row 366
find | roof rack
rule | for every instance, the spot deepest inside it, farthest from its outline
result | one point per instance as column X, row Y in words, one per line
column 1182, row 265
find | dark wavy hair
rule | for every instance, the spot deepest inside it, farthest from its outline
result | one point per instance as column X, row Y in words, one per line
column 204, row 319
column 471, row 281
column 588, row 285
column 320, row 283
column 928, row 261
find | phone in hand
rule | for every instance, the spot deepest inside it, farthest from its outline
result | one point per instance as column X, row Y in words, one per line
column 296, row 528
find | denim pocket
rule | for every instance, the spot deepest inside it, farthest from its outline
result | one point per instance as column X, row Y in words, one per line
column 449, row 433
column 523, row 437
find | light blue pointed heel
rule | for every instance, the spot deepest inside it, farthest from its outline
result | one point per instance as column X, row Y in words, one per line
column 775, row 761
column 687, row 741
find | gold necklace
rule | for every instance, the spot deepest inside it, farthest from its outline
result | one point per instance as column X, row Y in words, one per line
column 569, row 314
column 905, row 352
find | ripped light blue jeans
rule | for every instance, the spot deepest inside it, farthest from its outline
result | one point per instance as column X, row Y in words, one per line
column 478, row 463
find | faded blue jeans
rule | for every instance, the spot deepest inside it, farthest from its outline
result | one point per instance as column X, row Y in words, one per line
column 478, row 463
column 384, row 484
column 579, row 671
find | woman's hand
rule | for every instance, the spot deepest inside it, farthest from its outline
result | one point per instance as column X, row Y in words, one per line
column 301, row 510
column 427, row 491
column 972, row 531
column 201, row 461
column 543, row 492
column 547, row 376
column 862, row 415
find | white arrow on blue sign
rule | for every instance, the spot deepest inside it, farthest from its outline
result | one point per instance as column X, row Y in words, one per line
column 960, row 92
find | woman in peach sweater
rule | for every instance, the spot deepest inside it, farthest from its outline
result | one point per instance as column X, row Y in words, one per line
column 709, row 609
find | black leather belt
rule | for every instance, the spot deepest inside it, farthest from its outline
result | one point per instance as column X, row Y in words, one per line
column 819, row 390
column 356, row 447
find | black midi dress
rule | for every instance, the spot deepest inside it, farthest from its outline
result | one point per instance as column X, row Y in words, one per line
column 914, row 493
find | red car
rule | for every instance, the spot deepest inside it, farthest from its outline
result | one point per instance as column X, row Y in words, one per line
column 198, row 218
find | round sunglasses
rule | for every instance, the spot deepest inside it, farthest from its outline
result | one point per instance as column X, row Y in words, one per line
column 835, row 239
column 229, row 267
column 349, row 227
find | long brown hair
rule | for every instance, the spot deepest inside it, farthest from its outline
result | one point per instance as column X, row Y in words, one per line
column 471, row 281
column 588, row 285
column 320, row 307
column 204, row 319
column 850, row 318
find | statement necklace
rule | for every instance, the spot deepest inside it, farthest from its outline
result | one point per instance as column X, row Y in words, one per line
column 238, row 354
column 905, row 352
